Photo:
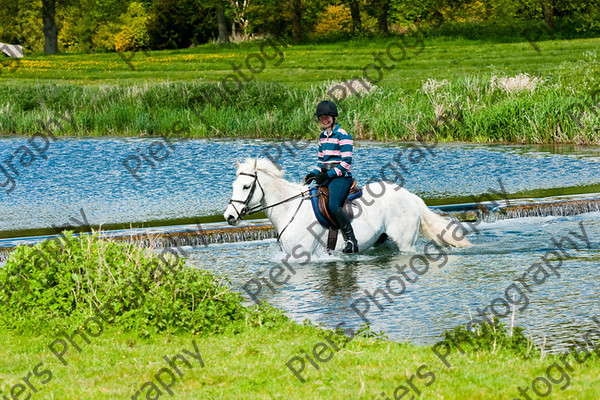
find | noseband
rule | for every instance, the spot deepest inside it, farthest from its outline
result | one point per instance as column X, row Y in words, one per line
column 245, row 210
column 246, row 202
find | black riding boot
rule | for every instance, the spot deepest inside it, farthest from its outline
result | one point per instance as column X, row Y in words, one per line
column 345, row 226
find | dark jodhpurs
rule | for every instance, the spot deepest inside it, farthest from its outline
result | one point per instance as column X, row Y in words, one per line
column 338, row 190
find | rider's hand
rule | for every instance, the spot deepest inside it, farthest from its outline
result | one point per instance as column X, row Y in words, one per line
column 309, row 178
column 321, row 178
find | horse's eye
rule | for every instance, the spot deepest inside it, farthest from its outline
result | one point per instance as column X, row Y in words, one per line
column 246, row 187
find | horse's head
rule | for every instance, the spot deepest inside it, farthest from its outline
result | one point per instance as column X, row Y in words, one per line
column 247, row 191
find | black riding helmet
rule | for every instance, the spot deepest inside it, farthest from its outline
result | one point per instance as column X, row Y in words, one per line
column 326, row 107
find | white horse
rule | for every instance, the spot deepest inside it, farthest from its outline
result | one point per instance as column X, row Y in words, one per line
column 384, row 209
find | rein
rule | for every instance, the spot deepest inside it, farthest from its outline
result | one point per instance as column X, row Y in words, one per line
column 245, row 210
column 301, row 194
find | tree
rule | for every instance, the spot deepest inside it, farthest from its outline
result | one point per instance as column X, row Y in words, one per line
column 239, row 8
column 269, row 16
column 296, row 9
column 133, row 34
column 175, row 24
column 221, row 22
column 382, row 8
column 355, row 13
column 548, row 12
column 50, row 29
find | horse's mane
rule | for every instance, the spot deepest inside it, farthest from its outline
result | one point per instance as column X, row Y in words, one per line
column 262, row 164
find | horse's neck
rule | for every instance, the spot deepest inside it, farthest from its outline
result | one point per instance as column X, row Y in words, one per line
column 276, row 190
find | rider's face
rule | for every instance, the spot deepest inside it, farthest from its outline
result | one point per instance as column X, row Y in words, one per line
column 326, row 120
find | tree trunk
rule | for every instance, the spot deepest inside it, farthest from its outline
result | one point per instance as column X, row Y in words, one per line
column 382, row 8
column 50, row 30
column 549, row 15
column 223, row 33
column 296, row 6
column 355, row 13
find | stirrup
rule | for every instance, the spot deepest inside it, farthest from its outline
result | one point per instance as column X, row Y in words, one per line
column 350, row 247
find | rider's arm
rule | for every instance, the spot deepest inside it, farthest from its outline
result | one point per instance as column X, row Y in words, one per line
column 346, row 146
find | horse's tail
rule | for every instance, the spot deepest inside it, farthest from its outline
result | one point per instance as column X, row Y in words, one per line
column 439, row 229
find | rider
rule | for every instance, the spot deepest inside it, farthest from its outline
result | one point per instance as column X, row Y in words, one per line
column 333, row 169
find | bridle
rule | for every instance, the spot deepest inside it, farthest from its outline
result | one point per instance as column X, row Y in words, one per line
column 246, row 210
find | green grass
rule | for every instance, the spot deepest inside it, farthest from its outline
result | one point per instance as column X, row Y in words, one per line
column 107, row 97
column 153, row 307
column 305, row 65
column 251, row 365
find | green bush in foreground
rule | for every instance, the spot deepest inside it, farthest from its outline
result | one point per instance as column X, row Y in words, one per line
column 61, row 284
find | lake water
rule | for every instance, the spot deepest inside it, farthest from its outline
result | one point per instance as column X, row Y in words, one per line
column 323, row 290
column 195, row 180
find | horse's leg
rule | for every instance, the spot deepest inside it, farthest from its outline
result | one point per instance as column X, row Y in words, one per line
column 401, row 221
column 403, row 236
column 303, row 235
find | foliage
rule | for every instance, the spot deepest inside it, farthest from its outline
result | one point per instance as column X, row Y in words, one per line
column 180, row 23
column 274, row 17
column 492, row 337
column 365, row 331
column 59, row 285
column 335, row 21
column 133, row 34
column 87, row 25
column 21, row 23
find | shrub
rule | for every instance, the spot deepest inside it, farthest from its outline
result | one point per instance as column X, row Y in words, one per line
column 61, row 284
column 492, row 337
column 335, row 21
column 133, row 34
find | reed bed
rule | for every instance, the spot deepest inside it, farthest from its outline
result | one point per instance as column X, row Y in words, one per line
column 547, row 101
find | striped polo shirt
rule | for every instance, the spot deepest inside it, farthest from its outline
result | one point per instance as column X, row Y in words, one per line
column 335, row 148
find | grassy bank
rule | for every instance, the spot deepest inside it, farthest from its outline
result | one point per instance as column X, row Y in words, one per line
column 251, row 365
column 94, row 319
column 457, row 90
column 302, row 66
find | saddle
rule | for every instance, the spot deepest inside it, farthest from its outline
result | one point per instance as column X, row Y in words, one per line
column 320, row 200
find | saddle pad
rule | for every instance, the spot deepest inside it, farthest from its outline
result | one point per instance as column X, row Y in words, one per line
column 314, row 201
column 320, row 198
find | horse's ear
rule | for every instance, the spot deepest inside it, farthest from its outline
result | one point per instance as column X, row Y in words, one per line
column 238, row 163
column 255, row 163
